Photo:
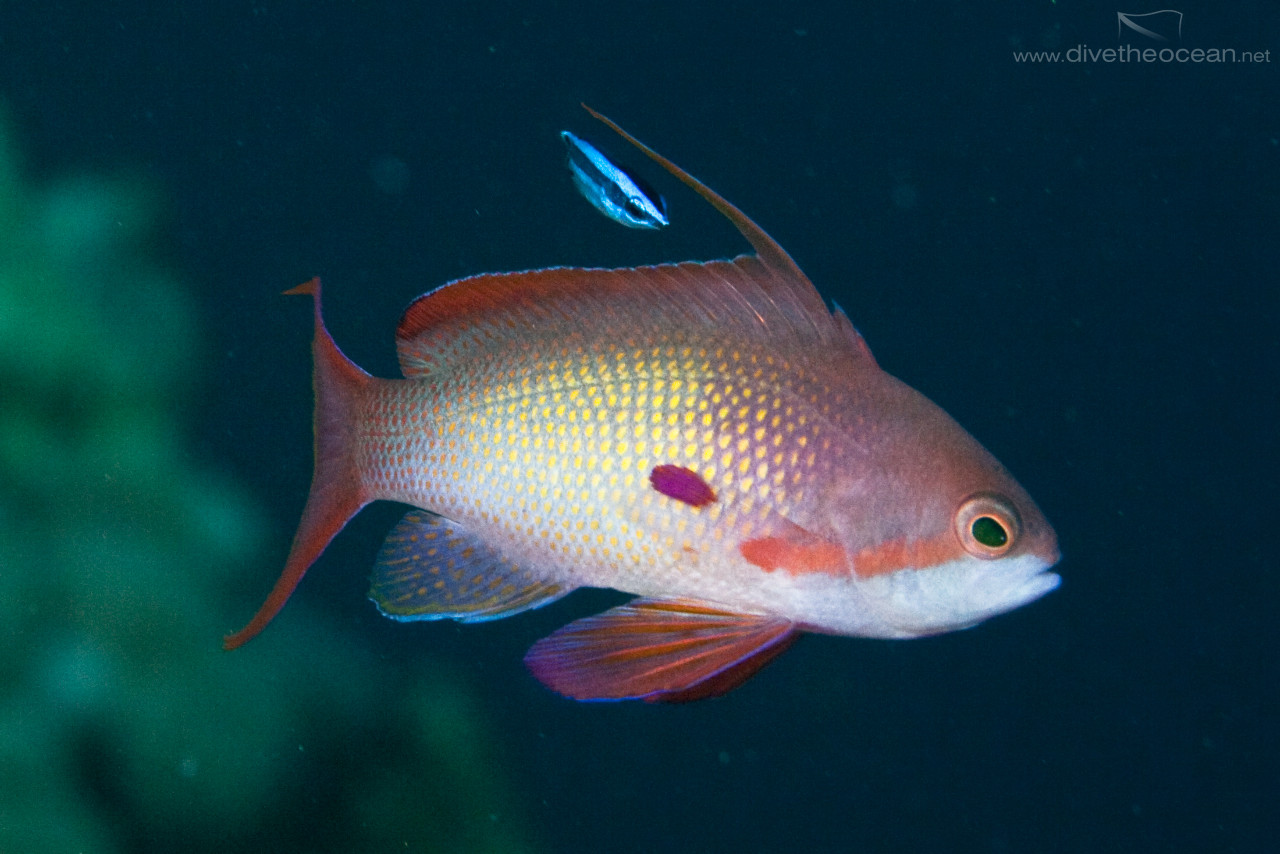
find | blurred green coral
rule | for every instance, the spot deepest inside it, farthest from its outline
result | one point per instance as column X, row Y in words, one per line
column 123, row 726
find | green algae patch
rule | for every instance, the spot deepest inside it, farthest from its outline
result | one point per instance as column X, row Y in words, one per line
column 123, row 557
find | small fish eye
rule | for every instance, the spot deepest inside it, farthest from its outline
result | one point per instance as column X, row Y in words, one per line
column 633, row 208
column 987, row 526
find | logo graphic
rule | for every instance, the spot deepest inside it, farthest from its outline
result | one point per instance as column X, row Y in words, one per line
column 1158, row 26
column 1145, row 38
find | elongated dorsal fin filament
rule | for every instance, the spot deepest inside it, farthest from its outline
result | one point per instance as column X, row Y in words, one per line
column 766, row 247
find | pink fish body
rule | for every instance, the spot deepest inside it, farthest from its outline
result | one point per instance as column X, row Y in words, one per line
column 707, row 436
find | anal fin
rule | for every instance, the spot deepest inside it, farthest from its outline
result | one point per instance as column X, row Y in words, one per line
column 659, row 651
column 431, row 568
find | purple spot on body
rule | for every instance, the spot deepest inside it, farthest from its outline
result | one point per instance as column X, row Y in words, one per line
column 682, row 484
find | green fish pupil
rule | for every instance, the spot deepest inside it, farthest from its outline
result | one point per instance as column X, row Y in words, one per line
column 989, row 532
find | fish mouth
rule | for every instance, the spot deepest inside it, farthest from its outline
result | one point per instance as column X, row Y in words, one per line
column 1023, row 582
column 1033, row 569
column 1038, row 585
column 916, row 603
column 1029, row 578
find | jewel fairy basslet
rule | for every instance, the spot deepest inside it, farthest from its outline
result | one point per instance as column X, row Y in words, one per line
column 709, row 437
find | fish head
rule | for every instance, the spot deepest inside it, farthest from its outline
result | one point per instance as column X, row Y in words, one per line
column 939, row 535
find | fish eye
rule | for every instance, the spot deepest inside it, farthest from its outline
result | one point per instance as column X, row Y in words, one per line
column 633, row 208
column 987, row 526
column 989, row 532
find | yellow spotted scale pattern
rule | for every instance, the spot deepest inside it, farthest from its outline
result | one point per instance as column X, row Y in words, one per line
column 538, row 404
column 430, row 567
column 800, row 488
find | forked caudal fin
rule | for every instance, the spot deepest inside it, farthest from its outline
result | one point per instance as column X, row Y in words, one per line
column 335, row 494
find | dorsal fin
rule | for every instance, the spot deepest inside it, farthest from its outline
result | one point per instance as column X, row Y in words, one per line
column 770, row 253
column 738, row 300
column 766, row 247
column 762, row 297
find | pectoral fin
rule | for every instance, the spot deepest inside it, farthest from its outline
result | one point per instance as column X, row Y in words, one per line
column 659, row 651
column 431, row 568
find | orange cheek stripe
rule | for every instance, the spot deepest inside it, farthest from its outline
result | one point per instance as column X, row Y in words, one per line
column 771, row 553
column 774, row 553
column 894, row 555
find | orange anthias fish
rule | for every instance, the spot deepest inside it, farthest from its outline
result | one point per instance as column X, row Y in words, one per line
column 707, row 436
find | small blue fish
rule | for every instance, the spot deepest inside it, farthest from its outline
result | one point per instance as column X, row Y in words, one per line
column 610, row 189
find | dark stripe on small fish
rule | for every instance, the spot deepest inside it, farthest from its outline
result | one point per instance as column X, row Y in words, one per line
column 611, row 189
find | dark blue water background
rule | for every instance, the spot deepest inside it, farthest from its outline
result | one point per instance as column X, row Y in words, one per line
column 1078, row 261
